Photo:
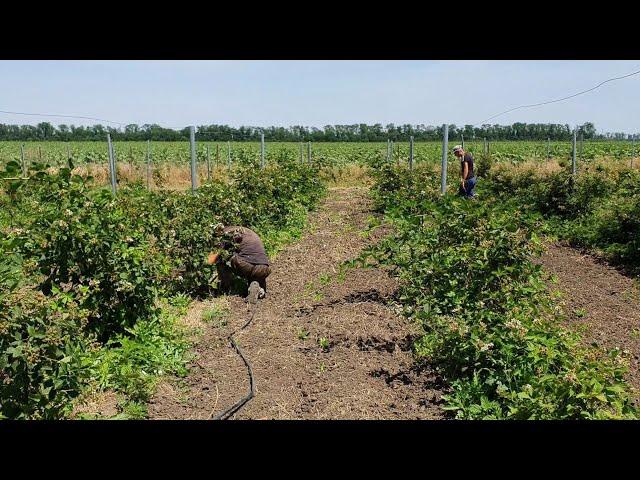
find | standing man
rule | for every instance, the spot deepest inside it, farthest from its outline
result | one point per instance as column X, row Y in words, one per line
column 467, row 175
column 243, row 254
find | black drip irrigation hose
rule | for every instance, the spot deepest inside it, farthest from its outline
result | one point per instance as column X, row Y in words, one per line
column 252, row 387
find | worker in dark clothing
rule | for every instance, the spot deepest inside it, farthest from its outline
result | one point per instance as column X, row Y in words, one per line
column 467, row 175
column 243, row 254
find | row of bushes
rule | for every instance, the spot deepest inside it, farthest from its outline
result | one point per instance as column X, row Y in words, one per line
column 80, row 267
column 490, row 326
column 598, row 208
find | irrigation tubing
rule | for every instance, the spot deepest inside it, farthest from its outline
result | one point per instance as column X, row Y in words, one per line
column 252, row 386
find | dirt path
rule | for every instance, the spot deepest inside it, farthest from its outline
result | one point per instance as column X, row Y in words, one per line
column 365, row 371
column 599, row 297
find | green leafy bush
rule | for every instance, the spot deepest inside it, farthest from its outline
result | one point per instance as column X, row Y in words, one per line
column 41, row 354
column 490, row 328
column 598, row 208
column 82, row 272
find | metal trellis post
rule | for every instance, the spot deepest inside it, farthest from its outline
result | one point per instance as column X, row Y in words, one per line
column 22, row 162
column 445, row 147
column 112, row 164
column 208, row 163
column 148, row 164
column 411, row 152
column 573, row 154
column 194, row 174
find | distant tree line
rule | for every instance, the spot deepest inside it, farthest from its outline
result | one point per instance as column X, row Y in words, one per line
column 330, row 133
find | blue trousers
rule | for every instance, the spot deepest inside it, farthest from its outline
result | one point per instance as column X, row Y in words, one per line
column 469, row 185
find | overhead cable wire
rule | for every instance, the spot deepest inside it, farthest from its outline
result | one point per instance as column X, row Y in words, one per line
column 559, row 99
column 62, row 116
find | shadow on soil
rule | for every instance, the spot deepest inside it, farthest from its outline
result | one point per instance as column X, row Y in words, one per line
column 370, row 296
column 386, row 345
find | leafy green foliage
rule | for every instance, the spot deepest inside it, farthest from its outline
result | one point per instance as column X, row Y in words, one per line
column 599, row 208
column 490, row 327
column 82, row 274
column 324, row 344
column 216, row 314
column 41, row 357
column 135, row 359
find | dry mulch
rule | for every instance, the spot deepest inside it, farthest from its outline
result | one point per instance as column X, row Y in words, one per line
column 98, row 405
column 367, row 371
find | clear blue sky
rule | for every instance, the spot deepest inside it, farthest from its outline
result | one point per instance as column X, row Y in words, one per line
column 316, row 93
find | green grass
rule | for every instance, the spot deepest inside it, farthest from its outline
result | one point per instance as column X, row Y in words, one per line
column 276, row 240
column 133, row 364
column 132, row 411
column 216, row 315
column 580, row 312
column 303, row 334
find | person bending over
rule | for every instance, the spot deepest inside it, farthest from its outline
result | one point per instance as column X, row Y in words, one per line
column 467, row 175
column 242, row 253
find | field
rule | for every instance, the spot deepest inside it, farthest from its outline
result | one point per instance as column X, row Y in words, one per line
column 169, row 166
column 436, row 306
column 178, row 153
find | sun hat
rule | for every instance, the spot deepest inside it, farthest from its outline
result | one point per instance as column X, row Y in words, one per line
column 457, row 147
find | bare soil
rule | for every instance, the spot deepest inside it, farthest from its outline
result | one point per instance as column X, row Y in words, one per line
column 321, row 346
column 98, row 405
column 598, row 299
